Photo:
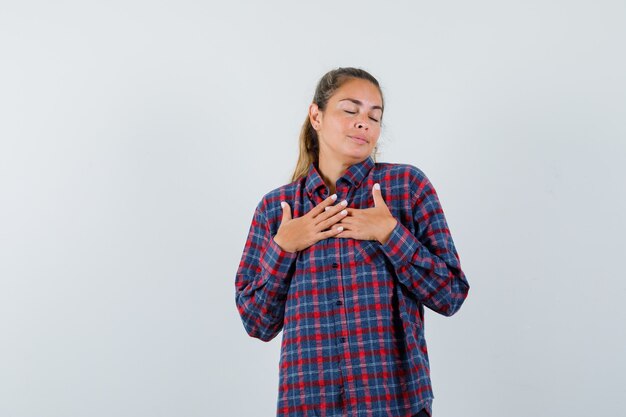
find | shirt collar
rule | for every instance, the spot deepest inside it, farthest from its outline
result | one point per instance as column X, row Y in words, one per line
column 354, row 175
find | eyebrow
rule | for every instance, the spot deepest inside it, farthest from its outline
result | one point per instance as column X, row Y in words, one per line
column 355, row 101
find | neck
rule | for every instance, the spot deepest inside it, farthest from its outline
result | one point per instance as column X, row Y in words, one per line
column 331, row 169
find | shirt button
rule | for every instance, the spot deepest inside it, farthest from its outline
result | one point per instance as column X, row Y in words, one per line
column 339, row 302
column 342, row 340
column 335, row 265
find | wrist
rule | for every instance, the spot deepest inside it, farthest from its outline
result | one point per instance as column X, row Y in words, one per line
column 280, row 245
column 278, row 242
column 388, row 230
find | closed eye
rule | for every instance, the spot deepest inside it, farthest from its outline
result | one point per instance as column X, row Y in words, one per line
column 371, row 118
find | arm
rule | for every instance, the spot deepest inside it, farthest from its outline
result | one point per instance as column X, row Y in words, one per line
column 428, row 264
column 262, row 281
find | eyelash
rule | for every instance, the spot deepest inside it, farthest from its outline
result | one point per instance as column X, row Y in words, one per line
column 353, row 112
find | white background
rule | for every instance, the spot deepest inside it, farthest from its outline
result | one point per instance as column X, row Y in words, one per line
column 137, row 137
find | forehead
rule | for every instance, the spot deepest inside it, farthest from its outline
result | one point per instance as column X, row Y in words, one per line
column 358, row 89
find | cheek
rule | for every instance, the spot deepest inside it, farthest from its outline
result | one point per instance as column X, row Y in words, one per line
column 335, row 133
column 375, row 130
column 339, row 128
column 344, row 124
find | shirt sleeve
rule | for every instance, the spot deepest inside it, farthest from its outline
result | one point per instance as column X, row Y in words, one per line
column 262, row 280
column 428, row 264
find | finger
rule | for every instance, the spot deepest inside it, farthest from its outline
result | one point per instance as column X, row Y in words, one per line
column 332, row 232
column 343, row 204
column 320, row 207
column 352, row 212
column 344, row 234
column 378, row 195
column 346, row 221
column 332, row 210
column 332, row 220
column 286, row 212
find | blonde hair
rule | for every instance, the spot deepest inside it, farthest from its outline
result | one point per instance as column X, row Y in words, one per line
column 326, row 87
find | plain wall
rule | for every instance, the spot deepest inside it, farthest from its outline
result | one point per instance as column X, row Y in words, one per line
column 137, row 137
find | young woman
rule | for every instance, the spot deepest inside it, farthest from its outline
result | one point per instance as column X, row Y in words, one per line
column 343, row 259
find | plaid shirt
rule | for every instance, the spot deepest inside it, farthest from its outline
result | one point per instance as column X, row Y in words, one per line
column 352, row 310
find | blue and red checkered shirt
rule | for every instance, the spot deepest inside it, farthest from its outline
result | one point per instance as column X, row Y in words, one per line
column 352, row 311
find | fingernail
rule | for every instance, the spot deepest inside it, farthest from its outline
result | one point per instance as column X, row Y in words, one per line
column 344, row 211
column 377, row 186
column 334, row 196
column 344, row 203
column 326, row 208
column 282, row 204
column 340, row 228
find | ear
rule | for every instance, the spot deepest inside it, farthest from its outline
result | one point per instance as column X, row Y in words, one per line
column 315, row 115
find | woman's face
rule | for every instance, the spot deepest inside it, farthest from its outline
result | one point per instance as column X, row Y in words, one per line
column 349, row 127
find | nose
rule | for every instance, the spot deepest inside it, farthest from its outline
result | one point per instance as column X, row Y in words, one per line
column 360, row 124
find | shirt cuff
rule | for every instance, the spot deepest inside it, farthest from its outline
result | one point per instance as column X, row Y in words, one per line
column 276, row 261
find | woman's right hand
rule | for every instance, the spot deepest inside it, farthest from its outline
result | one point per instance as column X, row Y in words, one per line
column 294, row 235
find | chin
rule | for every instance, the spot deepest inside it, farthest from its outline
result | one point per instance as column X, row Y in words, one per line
column 360, row 155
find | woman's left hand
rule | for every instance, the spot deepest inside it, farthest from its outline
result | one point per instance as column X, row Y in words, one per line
column 375, row 223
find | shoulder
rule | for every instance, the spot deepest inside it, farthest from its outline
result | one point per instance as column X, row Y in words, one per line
column 400, row 169
column 406, row 174
column 409, row 180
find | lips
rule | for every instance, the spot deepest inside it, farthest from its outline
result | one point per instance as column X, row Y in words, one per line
column 358, row 139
